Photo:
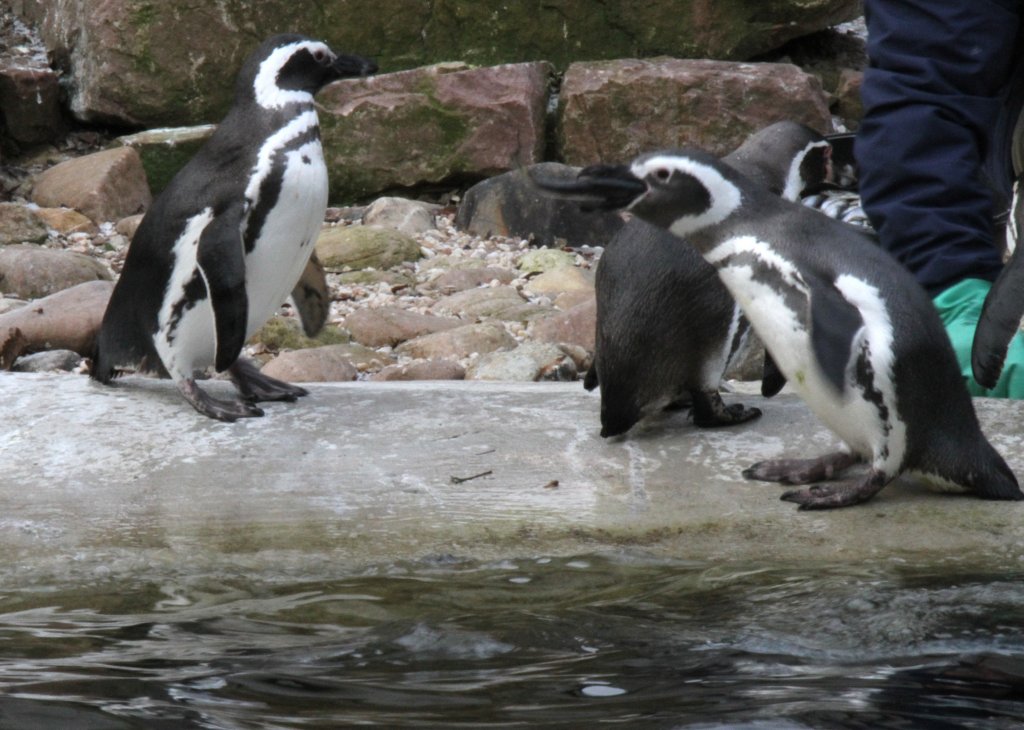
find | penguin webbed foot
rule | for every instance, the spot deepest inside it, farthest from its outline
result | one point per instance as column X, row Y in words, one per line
column 710, row 411
column 802, row 471
column 256, row 387
column 842, row 494
column 221, row 410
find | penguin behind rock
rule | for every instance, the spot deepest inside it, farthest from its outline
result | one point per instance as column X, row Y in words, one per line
column 849, row 327
column 667, row 328
column 221, row 248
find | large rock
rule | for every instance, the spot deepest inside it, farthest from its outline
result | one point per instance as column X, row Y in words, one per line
column 498, row 302
column 422, row 370
column 105, row 186
column 389, row 325
column 459, row 342
column 411, row 217
column 314, row 365
column 29, row 271
column 576, row 326
column 432, row 124
column 67, row 320
column 20, row 224
column 362, row 247
column 511, row 205
column 126, row 62
column 529, row 362
column 612, row 111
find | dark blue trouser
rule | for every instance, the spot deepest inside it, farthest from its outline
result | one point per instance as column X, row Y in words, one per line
column 932, row 96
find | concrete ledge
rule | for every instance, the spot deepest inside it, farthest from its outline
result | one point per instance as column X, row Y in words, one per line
column 128, row 481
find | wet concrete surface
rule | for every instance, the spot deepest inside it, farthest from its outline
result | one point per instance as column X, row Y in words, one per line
column 128, row 480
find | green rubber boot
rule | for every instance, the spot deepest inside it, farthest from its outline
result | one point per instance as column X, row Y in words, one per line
column 960, row 308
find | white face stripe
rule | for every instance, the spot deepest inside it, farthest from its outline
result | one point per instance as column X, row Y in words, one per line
column 794, row 180
column 725, row 197
column 268, row 94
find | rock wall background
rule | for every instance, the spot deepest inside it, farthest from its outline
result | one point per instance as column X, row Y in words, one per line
column 147, row 63
column 468, row 89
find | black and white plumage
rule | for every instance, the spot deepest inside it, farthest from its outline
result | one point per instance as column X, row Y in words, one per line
column 1003, row 313
column 667, row 328
column 851, row 330
column 223, row 245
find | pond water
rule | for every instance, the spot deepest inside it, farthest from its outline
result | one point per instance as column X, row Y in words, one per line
column 621, row 639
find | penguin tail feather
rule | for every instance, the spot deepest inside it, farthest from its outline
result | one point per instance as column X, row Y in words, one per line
column 996, row 480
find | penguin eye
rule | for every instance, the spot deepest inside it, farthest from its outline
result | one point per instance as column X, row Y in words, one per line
column 320, row 55
column 663, row 174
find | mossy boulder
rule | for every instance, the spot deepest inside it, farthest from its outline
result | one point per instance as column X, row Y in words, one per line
column 164, row 151
column 285, row 333
column 365, row 247
column 428, row 125
column 540, row 260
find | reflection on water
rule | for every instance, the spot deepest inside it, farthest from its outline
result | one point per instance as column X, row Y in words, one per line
column 531, row 642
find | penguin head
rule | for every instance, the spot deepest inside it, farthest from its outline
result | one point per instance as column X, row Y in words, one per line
column 681, row 191
column 808, row 153
column 685, row 190
column 290, row 68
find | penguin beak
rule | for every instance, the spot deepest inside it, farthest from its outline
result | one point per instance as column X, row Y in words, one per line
column 345, row 67
column 598, row 187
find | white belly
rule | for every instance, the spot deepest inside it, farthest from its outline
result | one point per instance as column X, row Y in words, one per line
column 288, row 235
column 186, row 338
column 786, row 333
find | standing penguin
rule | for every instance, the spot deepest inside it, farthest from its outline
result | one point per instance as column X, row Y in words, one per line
column 223, row 245
column 667, row 328
column 850, row 328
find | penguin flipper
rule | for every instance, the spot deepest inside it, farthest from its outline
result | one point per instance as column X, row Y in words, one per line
column 1000, row 319
column 772, row 379
column 221, row 258
column 834, row 322
column 312, row 297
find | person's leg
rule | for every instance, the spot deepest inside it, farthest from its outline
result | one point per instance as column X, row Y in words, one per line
column 931, row 98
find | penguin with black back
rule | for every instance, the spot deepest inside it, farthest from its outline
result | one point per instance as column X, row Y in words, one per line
column 222, row 246
column 667, row 328
column 856, row 336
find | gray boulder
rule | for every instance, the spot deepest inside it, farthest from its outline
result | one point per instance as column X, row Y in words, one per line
column 511, row 205
column 529, row 362
column 29, row 271
column 20, row 224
